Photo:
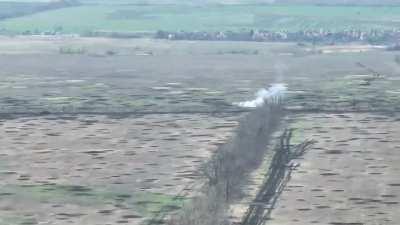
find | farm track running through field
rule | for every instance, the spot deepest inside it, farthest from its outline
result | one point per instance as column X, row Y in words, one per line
column 207, row 112
column 278, row 176
column 116, row 114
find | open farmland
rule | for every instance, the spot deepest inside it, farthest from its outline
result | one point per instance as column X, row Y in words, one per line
column 128, row 81
column 117, row 131
column 99, row 170
column 150, row 18
column 11, row 9
column 350, row 176
column 199, row 112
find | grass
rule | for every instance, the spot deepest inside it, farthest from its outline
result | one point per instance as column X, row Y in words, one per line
column 350, row 93
column 147, row 204
column 71, row 50
column 324, row 85
column 18, row 8
column 14, row 220
column 297, row 133
column 150, row 18
column 11, row 9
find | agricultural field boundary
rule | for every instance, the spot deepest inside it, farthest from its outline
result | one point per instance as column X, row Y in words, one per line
column 228, row 168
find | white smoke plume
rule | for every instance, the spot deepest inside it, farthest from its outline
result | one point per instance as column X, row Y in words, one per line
column 273, row 94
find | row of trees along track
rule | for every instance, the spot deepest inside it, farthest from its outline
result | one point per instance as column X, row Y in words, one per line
column 226, row 171
column 278, row 175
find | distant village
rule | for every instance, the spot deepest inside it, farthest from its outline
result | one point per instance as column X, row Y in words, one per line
column 313, row 36
column 376, row 37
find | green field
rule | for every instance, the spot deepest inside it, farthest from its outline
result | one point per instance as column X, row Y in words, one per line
column 11, row 9
column 20, row 8
column 150, row 18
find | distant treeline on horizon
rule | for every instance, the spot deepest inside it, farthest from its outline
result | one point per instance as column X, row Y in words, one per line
column 318, row 2
column 389, row 37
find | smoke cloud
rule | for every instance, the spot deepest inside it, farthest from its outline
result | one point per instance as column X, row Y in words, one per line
column 273, row 94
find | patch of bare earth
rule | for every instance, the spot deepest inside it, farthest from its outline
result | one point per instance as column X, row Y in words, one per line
column 100, row 170
column 350, row 176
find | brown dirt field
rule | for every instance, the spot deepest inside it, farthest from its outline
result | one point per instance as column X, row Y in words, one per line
column 185, row 76
column 350, row 176
column 99, row 170
column 73, row 165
